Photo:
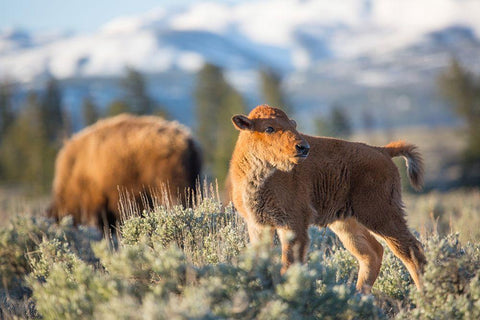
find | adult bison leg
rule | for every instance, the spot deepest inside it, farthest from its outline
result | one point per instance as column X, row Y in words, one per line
column 294, row 245
column 364, row 247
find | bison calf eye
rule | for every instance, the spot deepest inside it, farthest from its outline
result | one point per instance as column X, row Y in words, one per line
column 269, row 130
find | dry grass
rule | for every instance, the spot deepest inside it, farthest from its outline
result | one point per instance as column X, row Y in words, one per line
column 16, row 203
column 443, row 213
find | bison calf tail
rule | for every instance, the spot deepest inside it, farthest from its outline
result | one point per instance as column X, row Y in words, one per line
column 413, row 159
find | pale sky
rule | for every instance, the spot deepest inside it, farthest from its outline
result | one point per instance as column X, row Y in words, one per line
column 71, row 15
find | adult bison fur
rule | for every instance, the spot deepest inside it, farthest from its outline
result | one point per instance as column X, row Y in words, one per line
column 285, row 181
column 145, row 157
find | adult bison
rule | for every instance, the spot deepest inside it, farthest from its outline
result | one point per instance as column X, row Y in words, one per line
column 145, row 157
column 285, row 181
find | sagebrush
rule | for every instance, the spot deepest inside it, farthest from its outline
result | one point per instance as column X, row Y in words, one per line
column 176, row 263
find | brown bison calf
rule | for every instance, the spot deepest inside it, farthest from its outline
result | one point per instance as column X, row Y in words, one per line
column 137, row 155
column 286, row 181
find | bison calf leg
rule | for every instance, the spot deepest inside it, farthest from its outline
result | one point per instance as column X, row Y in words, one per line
column 400, row 240
column 407, row 248
column 257, row 232
column 364, row 247
column 294, row 246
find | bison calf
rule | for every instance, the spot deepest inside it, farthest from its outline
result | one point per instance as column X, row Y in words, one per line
column 138, row 155
column 286, row 181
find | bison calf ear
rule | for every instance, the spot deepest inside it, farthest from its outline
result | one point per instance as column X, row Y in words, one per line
column 242, row 123
column 294, row 123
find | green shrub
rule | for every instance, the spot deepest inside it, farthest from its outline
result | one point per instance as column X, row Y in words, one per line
column 451, row 282
column 20, row 241
column 207, row 234
column 180, row 263
column 71, row 290
column 252, row 288
column 22, row 244
column 158, row 272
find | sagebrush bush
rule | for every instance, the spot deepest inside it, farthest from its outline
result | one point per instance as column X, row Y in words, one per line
column 451, row 288
column 71, row 290
column 20, row 240
column 159, row 282
column 20, row 247
column 209, row 233
column 189, row 263
column 176, row 263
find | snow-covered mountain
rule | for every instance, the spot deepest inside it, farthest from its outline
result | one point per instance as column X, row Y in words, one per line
column 328, row 51
column 287, row 35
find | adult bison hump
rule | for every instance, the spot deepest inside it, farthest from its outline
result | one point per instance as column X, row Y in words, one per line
column 145, row 157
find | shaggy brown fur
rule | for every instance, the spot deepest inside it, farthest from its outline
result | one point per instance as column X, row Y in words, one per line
column 138, row 155
column 353, row 188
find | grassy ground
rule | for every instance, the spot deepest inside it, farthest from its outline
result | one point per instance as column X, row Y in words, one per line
column 443, row 213
column 14, row 202
column 195, row 263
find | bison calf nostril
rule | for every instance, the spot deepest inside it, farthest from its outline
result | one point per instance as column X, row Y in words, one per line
column 302, row 149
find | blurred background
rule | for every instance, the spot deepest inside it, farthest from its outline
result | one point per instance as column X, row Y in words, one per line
column 363, row 70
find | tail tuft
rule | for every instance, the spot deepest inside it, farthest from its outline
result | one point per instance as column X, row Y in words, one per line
column 413, row 159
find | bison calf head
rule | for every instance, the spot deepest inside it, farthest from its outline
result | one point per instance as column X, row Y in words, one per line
column 272, row 137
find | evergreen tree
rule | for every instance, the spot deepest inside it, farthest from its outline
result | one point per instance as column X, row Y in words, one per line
column 136, row 95
column 322, row 127
column 27, row 156
column 51, row 112
column 340, row 122
column 7, row 114
column 226, row 134
column 67, row 125
column 216, row 103
column 337, row 124
column 272, row 92
column 368, row 121
column 210, row 88
column 90, row 111
column 117, row 107
column 462, row 89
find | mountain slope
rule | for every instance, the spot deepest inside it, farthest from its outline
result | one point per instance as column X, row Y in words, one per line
column 375, row 56
column 287, row 35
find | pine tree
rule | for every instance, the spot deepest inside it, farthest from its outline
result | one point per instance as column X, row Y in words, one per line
column 340, row 122
column 368, row 121
column 51, row 112
column 136, row 95
column 322, row 127
column 216, row 103
column 27, row 156
column 67, row 130
column 210, row 87
column 90, row 111
column 462, row 89
column 337, row 124
column 117, row 107
column 272, row 91
column 226, row 134
column 7, row 117
column 7, row 114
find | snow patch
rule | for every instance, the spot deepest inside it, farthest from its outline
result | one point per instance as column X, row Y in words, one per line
column 284, row 34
